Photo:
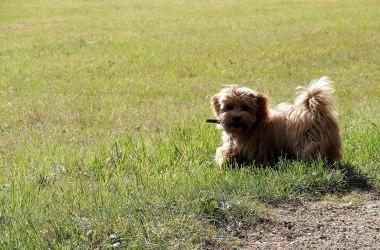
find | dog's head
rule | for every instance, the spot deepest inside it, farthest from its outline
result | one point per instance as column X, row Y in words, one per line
column 239, row 109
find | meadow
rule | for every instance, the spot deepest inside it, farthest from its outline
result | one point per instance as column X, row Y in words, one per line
column 103, row 140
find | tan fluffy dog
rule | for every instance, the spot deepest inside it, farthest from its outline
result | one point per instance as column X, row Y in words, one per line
column 255, row 134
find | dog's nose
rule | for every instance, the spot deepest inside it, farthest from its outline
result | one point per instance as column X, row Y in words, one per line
column 236, row 119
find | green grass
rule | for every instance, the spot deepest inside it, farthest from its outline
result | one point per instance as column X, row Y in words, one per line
column 103, row 141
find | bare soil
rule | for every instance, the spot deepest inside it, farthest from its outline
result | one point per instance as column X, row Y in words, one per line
column 349, row 223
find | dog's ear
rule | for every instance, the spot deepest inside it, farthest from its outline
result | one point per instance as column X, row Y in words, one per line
column 261, row 103
column 215, row 104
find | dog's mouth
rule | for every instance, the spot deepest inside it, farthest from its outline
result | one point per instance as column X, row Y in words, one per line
column 237, row 125
column 228, row 125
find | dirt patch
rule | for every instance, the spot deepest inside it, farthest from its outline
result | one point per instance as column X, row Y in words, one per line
column 342, row 224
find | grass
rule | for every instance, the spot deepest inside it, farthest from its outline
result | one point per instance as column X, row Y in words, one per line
column 103, row 140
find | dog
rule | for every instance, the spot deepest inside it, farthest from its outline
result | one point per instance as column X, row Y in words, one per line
column 253, row 134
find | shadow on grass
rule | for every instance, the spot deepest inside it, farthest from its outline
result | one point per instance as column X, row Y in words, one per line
column 354, row 177
column 291, row 179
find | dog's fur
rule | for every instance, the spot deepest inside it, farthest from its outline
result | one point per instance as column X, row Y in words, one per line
column 255, row 134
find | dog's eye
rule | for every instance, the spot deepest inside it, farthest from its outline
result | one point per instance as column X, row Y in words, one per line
column 229, row 107
column 244, row 108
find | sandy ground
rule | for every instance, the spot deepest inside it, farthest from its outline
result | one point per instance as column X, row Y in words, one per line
column 353, row 223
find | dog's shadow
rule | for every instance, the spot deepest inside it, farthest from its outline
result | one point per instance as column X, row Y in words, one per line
column 354, row 178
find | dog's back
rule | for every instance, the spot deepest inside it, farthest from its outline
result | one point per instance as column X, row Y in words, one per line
column 317, row 97
column 317, row 101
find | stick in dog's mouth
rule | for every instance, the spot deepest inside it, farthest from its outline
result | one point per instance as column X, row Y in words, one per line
column 213, row 121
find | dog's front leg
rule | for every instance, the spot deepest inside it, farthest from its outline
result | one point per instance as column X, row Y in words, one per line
column 227, row 155
column 221, row 157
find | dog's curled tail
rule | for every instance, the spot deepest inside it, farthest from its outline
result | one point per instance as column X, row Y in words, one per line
column 317, row 97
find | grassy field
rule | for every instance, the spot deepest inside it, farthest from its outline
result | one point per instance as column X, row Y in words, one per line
column 103, row 140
